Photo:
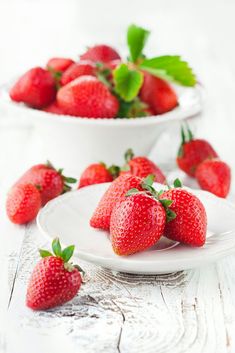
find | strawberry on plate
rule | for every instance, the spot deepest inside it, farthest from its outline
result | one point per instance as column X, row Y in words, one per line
column 100, row 53
column 23, row 203
column 190, row 222
column 54, row 280
column 115, row 193
column 215, row 176
column 35, row 88
column 136, row 224
column 97, row 173
column 142, row 167
column 158, row 94
column 59, row 64
column 87, row 97
column 49, row 181
column 83, row 67
column 192, row 152
column 54, row 109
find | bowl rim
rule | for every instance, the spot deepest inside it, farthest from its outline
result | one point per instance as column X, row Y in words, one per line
column 181, row 112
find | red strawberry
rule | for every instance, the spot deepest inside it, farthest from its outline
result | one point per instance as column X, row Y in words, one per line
column 35, row 88
column 59, row 64
column 115, row 193
column 136, row 224
column 158, row 94
column 54, row 109
column 215, row 176
column 192, row 152
column 113, row 64
column 54, row 281
column 142, row 167
column 87, row 97
column 100, row 53
column 51, row 183
column 23, row 203
column 81, row 68
column 98, row 173
column 190, row 224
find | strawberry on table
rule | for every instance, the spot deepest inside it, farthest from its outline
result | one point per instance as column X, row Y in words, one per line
column 97, row 173
column 115, row 193
column 87, row 97
column 136, row 224
column 156, row 92
column 142, row 167
column 190, row 222
column 23, row 203
column 59, row 64
column 83, row 67
column 54, row 280
column 192, row 152
column 215, row 176
column 35, row 88
column 49, row 181
column 100, row 53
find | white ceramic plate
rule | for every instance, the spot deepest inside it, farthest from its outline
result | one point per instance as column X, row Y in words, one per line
column 68, row 217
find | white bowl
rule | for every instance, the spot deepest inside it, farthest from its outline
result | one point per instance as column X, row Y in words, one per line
column 73, row 142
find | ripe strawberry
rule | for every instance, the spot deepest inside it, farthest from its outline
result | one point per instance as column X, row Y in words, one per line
column 54, row 281
column 81, row 68
column 23, row 203
column 115, row 193
column 136, row 224
column 35, row 88
column 54, row 109
column 50, row 182
column 215, row 176
column 100, row 53
column 98, row 173
column 59, row 64
column 158, row 94
column 192, row 152
column 190, row 224
column 87, row 97
column 142, row 167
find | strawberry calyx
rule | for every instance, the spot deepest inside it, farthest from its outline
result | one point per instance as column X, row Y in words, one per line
column 66, row 180
column 56, row 76
column 114, row 170
column 186, row 136
column 64, row 254
column 147, row 185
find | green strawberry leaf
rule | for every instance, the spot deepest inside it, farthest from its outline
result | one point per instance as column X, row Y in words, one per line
column 170, row 68
column 45, row 253
column 127, row 82
column 70, row 180
column 67, row 253
column 149, row 180
column 170, row 215
column 177, row 183
column 136, row 39
column 165, row 202
column 56, row 247
column 132, row 192
column 129, row 154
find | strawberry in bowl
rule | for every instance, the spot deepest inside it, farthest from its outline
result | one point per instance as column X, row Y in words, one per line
column 103, row 103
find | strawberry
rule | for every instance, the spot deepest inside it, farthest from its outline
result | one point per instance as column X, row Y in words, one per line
column 54, row 281
column 100, row 53
column 85, row 67
column 158, row 94
column 97, row 173
column 113, row 64
column 54, row 109
column 35, row 88
column 192, row 152
column 23, row 203
column 50, row 182
column 190, row 223
column 87, row 97
column 215, row 176
column 136, row 224
column 142, row 167
column 115, row 193
column 59, row 64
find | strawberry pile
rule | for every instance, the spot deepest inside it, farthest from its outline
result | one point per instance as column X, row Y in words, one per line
column 137, row 215
column 103, row 85
column 197, row 158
